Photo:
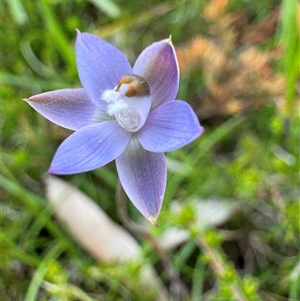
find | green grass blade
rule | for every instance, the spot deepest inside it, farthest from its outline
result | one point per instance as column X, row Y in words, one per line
column 34, row 204
column 8, row 247
column 17, row 11
column 294, row 292
column 291, row 59
column 127, row 22
column 28, row 82
column 198, row 279
column 58, row 36
column 39, row 274
column 108, row 7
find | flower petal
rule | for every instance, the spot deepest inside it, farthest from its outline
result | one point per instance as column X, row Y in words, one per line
column 89, row 148
column 100, row 65
column 69, row 108
column 143, row 176
column 169, row 127
column 158, row 65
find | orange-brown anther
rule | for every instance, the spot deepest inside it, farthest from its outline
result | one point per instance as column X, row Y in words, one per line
column 137, row 85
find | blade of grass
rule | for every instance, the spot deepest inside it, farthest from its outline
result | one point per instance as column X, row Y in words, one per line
column 17, row 11
column 40, row 272
column 106, row 175
column 125, row 23
column 291, row 58
column 108, row 7
column 34, row 204
column 33, row 61
column 13, row 251
column 58, row 35
column 184, row 253
column 69, row 290
column 294, row 292
column 198, row 279
column 31, row 82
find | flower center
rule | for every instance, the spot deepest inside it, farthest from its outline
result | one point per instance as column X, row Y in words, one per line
column 129, row 102
column 135, row 85
column 128, row 119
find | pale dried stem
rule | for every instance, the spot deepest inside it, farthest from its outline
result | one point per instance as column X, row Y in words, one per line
column 218, row 266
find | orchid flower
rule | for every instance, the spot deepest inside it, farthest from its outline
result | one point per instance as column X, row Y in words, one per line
column 123, row 113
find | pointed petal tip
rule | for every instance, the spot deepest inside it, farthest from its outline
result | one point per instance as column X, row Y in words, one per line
column 158, row 65
column 169, row 40
column 55, row 171
column 33, row 98
column 152, row 219
column 202, row 130
column 51, row 171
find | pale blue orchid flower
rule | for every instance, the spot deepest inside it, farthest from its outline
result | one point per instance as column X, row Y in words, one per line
column 123, row 113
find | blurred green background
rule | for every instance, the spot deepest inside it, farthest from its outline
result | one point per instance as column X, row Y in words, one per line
column 239, row 64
